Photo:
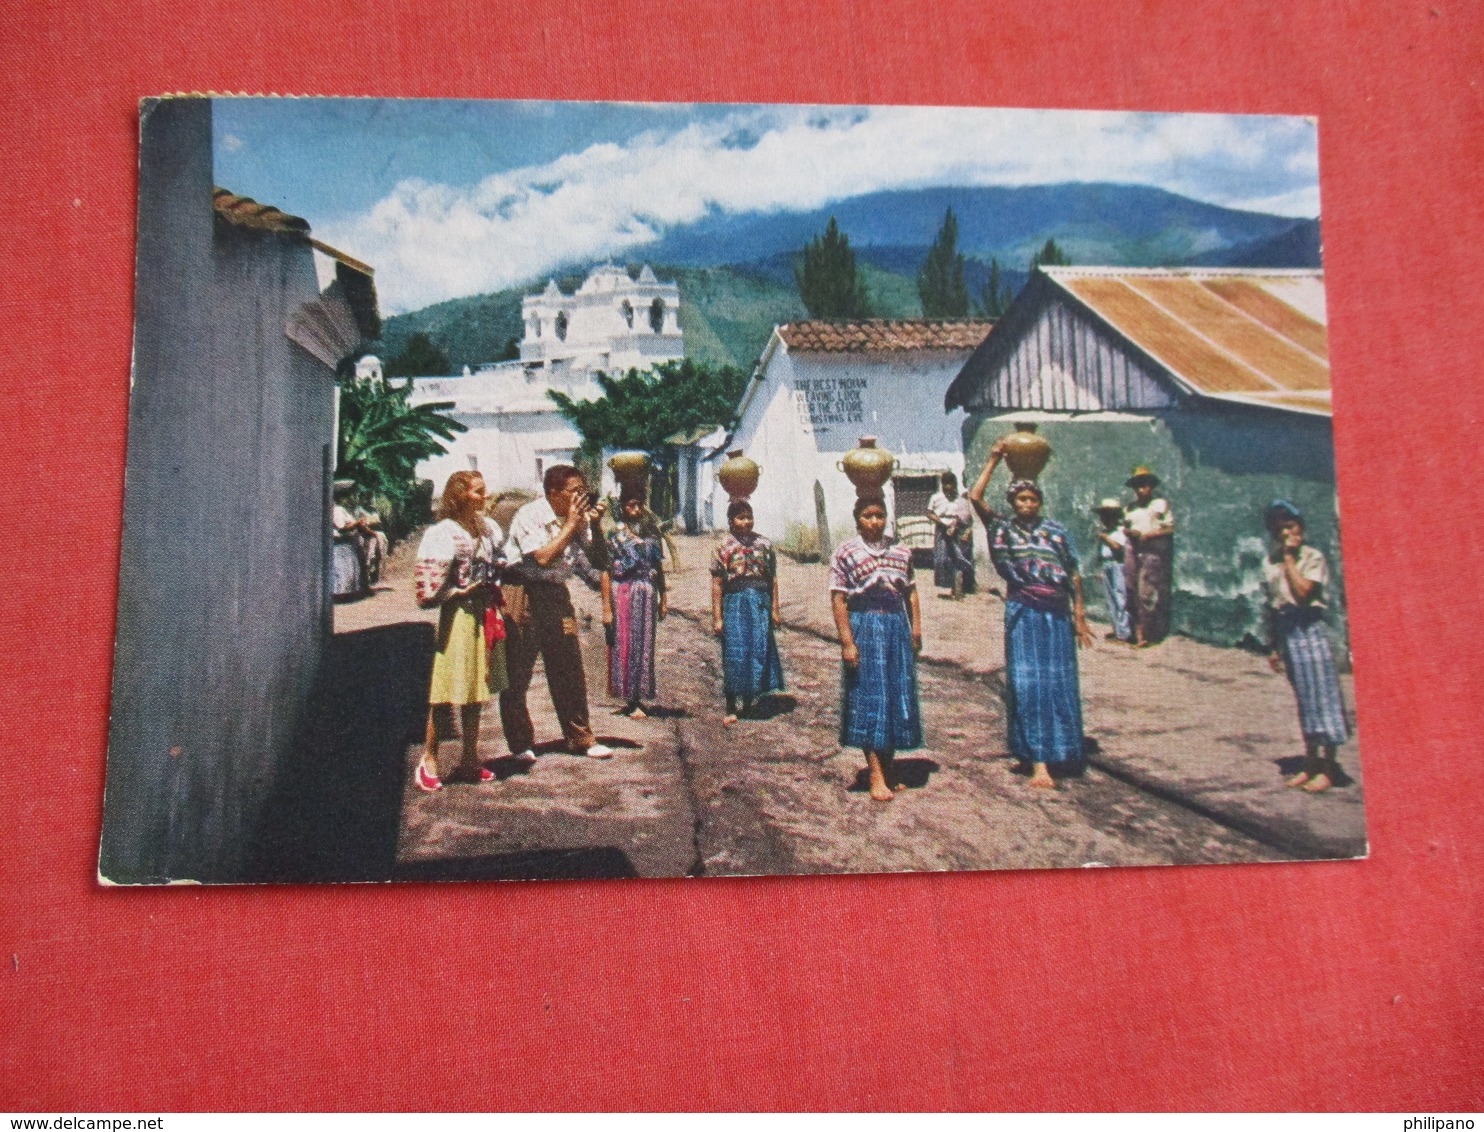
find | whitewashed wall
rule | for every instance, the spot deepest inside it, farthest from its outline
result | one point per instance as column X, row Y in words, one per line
column 810, row 409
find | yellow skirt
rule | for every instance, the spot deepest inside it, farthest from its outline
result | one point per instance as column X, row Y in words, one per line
column 464, row 671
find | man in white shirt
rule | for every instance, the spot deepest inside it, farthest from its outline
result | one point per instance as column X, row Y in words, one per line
column 549, row 541
column 953, row 539
column 1148, row 561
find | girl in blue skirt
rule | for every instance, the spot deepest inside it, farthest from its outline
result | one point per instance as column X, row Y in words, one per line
column 744, row 613
column 1044, row 616
column 1297, row 578
column 877, row 615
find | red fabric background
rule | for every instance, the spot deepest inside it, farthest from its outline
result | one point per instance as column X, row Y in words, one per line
column 1352, row 985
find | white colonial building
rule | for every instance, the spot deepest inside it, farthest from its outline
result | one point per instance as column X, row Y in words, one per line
column 610, row 324
column 819, row 388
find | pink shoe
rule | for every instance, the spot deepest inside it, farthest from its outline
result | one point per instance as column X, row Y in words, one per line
column 486, row 775
column 427, row 783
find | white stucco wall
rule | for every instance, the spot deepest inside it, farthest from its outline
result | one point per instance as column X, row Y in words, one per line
column 808, row 410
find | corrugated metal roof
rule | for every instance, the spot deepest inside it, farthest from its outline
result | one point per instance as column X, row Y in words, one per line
column 817, row 336
column 1244, row 334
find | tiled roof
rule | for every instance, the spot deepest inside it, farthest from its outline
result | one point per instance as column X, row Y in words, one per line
column 1247, row 335
column 248, row 213
column 817, row 336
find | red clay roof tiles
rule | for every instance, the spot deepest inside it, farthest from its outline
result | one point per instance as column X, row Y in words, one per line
column 248, row 213
column 818, row 336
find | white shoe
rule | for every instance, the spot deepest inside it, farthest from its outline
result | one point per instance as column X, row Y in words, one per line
column 598, row 751
column 527, row 756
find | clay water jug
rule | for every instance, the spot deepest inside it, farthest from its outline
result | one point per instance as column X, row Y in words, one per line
column 738, row 476
column 868, row 467
column 629, row 467
column 1026, row 453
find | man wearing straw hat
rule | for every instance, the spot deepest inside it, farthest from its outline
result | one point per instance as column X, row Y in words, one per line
column 1150, row 527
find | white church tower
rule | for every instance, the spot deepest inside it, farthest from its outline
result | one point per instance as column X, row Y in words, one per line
column 610, row 324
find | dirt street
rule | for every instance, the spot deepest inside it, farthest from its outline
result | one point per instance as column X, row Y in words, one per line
column 686, row 796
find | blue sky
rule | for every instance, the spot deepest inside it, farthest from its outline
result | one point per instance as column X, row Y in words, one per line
column 450, row 198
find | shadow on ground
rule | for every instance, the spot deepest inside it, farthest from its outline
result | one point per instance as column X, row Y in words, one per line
column 913, row 773
column 595, row 863
column 334, row 813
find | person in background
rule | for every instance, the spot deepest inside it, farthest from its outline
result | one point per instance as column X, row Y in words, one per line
column 1112, row 550
column 1045, row 623
column 457, row 574
column 1297, row 579
column 953, row 539
column 879, row 620
column 745, row 613
column 550, row 539
column 374, row 542
column 634, row 601
column 1148, row 561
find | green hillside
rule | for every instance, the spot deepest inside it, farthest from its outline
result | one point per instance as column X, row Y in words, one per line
column 726, row 313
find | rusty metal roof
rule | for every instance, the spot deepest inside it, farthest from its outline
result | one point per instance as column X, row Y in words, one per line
column 1251, row 334
column 817, row 336
column 248, row 213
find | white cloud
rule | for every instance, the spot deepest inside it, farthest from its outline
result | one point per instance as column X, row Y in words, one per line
column 232, row 143
column 431, row 242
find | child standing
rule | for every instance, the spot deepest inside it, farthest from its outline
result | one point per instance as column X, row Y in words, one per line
column 1112, row 550
column 744, row 613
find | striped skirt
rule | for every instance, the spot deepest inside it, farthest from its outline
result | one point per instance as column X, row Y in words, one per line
column 750, row 664
column 878, row 705
column 1042, row 690
column 1310, row 664
column 631, row 655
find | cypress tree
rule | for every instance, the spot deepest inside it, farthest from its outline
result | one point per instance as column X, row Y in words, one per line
column 940, row 282
column 827, row 279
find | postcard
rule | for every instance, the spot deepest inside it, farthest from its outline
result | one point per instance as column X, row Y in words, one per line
column 548, row 490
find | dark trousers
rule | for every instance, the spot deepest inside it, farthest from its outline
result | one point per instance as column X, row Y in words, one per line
column 540, row 621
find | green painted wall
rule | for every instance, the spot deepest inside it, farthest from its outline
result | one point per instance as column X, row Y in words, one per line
column 1221, row 465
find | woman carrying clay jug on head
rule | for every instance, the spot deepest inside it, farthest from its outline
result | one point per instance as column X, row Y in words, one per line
column 874, row 600
column 1045, row 623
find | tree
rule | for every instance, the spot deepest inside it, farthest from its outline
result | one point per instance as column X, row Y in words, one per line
column 827, row 279
column 940, row 282
column 1049, row 256
column 996, row 296
column 420, row 358
column 383, row 437
column 644, row 408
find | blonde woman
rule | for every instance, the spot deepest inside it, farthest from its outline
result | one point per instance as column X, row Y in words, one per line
column 458, row 574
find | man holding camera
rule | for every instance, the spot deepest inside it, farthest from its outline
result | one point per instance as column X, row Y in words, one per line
column 550, row 539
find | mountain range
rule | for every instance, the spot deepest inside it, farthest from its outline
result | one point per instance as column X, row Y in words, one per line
column 736, row 272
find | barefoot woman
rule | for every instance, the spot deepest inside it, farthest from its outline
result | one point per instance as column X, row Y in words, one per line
column 456, row 575
column 877, row 615
column 1043, row 616
column 1297, row 578
column 633, row 588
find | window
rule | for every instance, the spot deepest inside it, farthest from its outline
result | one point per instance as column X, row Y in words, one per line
column 657, row 316
column 561, row 326
column 473, row 462
column 626, row 309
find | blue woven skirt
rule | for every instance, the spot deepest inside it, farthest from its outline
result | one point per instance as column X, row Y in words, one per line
column 1044, row 698
column 750, row 664
column 878, row 709
column 1310, row 664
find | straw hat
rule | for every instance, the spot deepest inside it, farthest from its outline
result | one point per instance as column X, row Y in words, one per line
column 1142, row 475
column 1108, row 505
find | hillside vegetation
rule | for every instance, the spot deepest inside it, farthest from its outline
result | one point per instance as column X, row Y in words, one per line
column 736, row 273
